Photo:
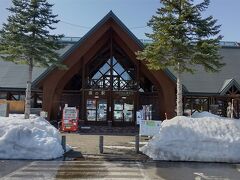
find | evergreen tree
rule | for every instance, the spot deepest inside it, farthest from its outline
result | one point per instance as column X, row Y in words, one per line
column 182, row 39
column 26, row 38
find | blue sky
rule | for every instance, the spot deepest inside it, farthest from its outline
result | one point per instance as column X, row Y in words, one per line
column 78, row 16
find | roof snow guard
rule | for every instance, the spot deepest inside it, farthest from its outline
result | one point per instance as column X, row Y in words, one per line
column 229, row 44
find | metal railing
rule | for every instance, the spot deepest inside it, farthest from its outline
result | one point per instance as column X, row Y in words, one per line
column 148, row 41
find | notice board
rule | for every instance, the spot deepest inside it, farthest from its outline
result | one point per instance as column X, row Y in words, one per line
column 149, row 127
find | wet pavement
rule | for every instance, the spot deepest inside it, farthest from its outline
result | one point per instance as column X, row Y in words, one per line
column 112, row 169
column 191, row 171
column 8, row 166
column 86, row 169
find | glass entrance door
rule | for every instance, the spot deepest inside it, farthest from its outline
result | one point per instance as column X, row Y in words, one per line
column 123, row 110
column 114, row 107
column 96, row 109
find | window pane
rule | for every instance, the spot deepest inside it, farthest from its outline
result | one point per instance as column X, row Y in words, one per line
column 102, row 104
column 114, row 61
column 118, row 68
column 104, row 68
column 91, row 115
column 101, row 115
column 128, row 107
column 97, row 75
column 102, row 110
column 126, row 76
column 118, row 115
column 118, row 105
column 128, row 116
column 91, row 104
column 3, row 95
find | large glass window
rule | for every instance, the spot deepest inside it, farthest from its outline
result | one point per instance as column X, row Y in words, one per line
column 112, row 74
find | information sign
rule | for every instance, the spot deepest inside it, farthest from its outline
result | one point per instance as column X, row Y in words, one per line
column 139, row 116
column 4, row 110
column 70, row 113
column 149, row 127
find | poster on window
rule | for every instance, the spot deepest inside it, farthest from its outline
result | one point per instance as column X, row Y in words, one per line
column 91, row 115
column 91, row 104
column 70, row 113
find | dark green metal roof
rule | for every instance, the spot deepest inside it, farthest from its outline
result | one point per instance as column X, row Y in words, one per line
column 15, row 75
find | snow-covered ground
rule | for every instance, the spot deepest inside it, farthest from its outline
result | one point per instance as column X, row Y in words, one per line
column 33, row 138
column 206, row 137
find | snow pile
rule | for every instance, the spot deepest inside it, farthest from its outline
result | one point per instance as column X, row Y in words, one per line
column 33, row 138
column 204, row 114
column 209, row 139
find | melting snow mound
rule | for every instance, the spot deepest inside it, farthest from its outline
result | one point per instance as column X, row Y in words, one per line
column 33, row 138
column 208, row 139
column 204, row 114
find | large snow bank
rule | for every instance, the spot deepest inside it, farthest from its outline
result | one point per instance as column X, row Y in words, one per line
column 33, row 138
column 209, row 139
column 204, row 114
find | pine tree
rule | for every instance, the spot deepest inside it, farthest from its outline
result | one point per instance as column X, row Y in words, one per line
column 26, row 38
column 182, row 39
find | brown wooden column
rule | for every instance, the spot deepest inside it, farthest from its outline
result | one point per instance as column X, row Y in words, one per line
column 238, row 101
column 83, row 107
column 48, row 93
column 111, row 99
column 55, row 104
column 84, row 79
column 138, row 86
column 169, row 101
column 136, row 106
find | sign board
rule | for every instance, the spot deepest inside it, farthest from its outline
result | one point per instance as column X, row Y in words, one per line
column 139, row 116
column 70, row 113
column 4, row 110
column 149, row 127
column 147, row 112
column 43, row 114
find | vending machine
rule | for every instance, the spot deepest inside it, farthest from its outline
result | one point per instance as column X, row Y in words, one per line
column 70, row 119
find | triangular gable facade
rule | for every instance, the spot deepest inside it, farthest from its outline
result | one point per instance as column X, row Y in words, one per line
column 108, row 45
column 230, row 87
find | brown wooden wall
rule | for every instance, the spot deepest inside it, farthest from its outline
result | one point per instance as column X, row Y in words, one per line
column 55, row 81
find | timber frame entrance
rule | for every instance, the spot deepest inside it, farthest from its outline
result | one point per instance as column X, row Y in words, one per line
column 105, row 79
column 112, row 86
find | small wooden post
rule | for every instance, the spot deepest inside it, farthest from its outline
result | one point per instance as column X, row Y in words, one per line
column 137, row 143
column 64, row 143
column 101, row 144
